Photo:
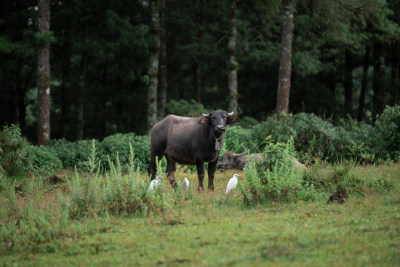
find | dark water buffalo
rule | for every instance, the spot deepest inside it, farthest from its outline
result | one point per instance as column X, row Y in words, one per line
column 190, row 141
column 231, row 160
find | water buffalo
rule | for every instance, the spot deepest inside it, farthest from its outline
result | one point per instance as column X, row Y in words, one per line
column 231, row 160
column 190, row 141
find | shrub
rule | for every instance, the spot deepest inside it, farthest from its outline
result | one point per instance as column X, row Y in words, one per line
column 71, row 154
column 185, row 108
column 326, row 177
column 274, row 177
column 387, row 132
column 237, row 137
column 120, row 143
column 12, row 154
column 114, row 193
column 42, row 159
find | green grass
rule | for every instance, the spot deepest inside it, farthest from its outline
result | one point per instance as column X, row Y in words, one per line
column 212, row 229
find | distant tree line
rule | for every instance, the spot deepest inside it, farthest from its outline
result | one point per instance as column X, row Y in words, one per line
column 113, row 66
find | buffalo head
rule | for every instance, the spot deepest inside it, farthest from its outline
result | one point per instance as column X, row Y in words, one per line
column 218, row 120
column 231, row 160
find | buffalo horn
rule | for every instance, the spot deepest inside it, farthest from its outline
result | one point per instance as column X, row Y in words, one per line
column 230, row 114
column 241, row 154
column 206, row 115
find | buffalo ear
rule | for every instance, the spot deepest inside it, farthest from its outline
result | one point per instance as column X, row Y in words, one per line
column 232, row 120
column 205, row 121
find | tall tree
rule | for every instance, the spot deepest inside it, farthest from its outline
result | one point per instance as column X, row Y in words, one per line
column 348, row 82
column 163, row 82
column 153, row 64
column 379, row 80
column 198, row 62
column 364, row 80
column 44, row 73
column 285, row 68
column 232, row 64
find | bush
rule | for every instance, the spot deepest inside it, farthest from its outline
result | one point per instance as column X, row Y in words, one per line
column 114, row 193
column 42, row 159
column 274, row 177
column 71, row 154
column 387, row 132
column 185, row 108
column 120, row 143
column 236, row 138
column 12, row 154
column 325, row 177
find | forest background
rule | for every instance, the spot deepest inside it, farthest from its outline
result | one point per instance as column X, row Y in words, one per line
column 345, row 61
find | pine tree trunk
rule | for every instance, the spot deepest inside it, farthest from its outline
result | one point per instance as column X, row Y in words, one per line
column 163, row 86
column 44, row 75
column 285, row 69
column 379, row 80
column 81, row 90
column 348, row 82
column 395, row 73
column 198, row 79
column 364, row 81
column 65, row 81
column 232, row 64
column 153, row 64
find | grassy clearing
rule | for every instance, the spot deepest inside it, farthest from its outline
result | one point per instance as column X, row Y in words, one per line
column 212, row 229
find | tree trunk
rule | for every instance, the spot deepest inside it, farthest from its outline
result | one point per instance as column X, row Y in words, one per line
column 198, row 64
column 395, row 73
column 65, row 81
column 153, row 64
column 232, row 64
column 379, row 80
column 163, row 86
column 81, row 88
column 44, row 75
column 348, row 82
column 285, row 68
column 364, row 81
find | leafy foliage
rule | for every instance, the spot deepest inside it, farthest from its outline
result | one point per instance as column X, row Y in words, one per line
column 12, row 155
column 274, row 177
column 185, row 108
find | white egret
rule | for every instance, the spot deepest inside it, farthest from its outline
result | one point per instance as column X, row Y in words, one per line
column 232, row 183
column 185, row 184
column 155, row 183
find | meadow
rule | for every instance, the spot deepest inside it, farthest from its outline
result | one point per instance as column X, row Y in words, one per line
column 200, row 229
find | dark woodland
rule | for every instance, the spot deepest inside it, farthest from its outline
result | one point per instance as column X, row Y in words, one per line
column 120, row 66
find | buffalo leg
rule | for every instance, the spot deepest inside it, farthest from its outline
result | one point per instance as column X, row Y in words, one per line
column 171, row 168
column 212, row 166
column 200, row 174
column 152, row 167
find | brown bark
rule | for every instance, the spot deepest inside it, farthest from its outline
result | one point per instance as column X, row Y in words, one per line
column 153, row 64
column 285, row 68
column 232, row 64
column 348, row 82
column 65, row 81
column 379, row 80
column 81, row 90
column 163, row 82
column 198, row 64
column 395, row 73
column 364, row 80
column 44, row 75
